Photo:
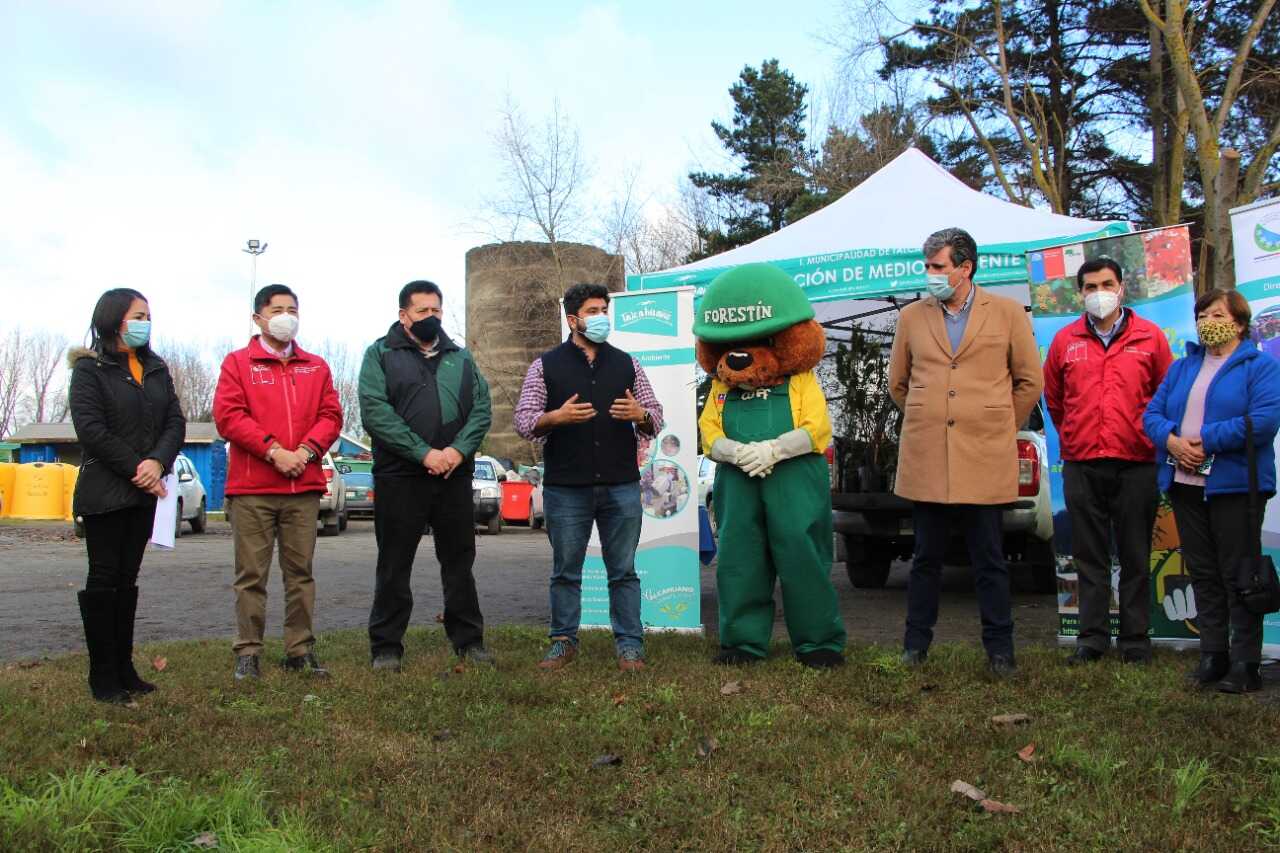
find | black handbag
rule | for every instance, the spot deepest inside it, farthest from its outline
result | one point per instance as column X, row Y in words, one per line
column 1257, row 586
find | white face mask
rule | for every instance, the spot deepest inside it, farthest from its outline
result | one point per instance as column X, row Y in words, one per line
column 283, row 327
column 1100, row 303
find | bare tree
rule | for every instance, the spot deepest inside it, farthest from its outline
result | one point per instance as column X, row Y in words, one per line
column 344, row 365
column 544, row 177
column 194, row 378
column 43, row 355
column 648, row 235
column 11, row 379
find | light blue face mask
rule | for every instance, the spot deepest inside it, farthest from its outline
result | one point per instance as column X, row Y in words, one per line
column 939, row 286
column 597, row 329
column 136, row 333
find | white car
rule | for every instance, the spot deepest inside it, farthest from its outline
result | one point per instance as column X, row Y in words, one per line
column 333, row 503
column 706, row 479
column 192, row 499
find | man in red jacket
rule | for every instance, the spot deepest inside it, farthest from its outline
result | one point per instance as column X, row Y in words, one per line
column 1101, row 372
column 277, row 407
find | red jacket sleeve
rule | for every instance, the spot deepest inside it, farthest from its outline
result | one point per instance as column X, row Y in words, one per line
column 1163, row 358
column 231, row 412
column 1053, row 383
column 324, row 432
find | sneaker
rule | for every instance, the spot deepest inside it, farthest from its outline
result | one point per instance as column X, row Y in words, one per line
column 1002, row 667
column 914, row 657
column 1138, row 657
column 558, row 656
column 631, row 660
column 247, row 667
column 1084, row 655
column 477, row 654
column 389, row 661
column 306, row 663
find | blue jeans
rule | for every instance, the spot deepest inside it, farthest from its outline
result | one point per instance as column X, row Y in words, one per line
column 570, row 512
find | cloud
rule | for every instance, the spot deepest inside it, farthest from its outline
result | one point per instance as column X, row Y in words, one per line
column 141, row 143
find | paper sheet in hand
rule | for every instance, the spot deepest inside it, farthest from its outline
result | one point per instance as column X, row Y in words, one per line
column 166, row 509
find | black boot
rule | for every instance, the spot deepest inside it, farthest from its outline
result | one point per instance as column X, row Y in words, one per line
column 1213, row 666
column 1243, row 678
column 98, row 612
column 126, row 609
column 734, row 657
column 821, row 659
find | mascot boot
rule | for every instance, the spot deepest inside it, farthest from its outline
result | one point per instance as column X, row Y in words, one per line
column 766, row 423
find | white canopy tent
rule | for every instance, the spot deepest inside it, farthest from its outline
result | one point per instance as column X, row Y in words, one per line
column 867, row 243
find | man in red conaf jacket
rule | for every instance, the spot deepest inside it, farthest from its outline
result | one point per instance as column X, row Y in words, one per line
column 1100, row 374
column 277, row 407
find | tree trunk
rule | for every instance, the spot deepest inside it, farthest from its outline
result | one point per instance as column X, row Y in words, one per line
column 1225, row 189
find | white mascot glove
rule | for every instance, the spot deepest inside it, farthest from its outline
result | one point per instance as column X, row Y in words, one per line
column 725, row 450
column 758, row 458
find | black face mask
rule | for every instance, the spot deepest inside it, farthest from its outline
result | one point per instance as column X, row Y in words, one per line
column 427, row 329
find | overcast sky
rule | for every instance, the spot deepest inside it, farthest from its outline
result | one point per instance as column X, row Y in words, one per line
column 141, row 143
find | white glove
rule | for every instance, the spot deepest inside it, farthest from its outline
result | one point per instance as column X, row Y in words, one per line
column 766, row 454
column 725, row 450
column 758, row 458
column 1180, row 606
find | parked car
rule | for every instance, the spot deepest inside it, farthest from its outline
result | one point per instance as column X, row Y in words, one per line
column 359, row 488
column 192, row 499
column 873, row 526
column 486, row 493
column 333, row 503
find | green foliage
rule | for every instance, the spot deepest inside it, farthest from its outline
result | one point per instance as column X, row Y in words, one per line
column 865, row 412
column 767, row 137
column 99, row 808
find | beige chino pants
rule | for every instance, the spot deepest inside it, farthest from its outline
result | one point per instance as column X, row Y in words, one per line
column 259, row 523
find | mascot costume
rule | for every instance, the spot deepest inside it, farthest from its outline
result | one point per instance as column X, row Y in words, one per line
column 766, row 423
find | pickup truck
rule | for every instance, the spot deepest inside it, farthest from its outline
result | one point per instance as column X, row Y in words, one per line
column 873, row 528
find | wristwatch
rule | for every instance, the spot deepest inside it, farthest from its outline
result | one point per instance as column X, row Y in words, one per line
column 311, row 454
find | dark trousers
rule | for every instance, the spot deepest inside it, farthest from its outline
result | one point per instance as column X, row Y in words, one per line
column 402, row 508
column 1106, row 498
column 115, row 542
column 1217, row 534
column 984, row 538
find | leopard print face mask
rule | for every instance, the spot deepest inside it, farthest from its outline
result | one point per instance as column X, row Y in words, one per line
column 1215, row 333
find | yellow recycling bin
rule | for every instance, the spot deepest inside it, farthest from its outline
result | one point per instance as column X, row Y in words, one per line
column 8, row 471
column 38, row 491
column 70, row 473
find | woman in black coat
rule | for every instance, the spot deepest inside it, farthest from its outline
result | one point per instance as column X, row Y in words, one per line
column 130, row 426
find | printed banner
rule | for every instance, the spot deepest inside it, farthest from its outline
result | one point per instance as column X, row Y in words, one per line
column 866, row 273
column 657, row 329
column 1255, row 238
column 1156, row 267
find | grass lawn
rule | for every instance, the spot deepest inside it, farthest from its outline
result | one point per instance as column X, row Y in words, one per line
column 862, row 758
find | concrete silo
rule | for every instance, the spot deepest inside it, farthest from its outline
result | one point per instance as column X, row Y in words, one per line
column 513, row 316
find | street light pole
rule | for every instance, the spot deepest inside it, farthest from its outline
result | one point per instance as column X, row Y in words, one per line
column 255, row 248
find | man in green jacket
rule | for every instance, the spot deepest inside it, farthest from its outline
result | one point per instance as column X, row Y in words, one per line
column 426, row 407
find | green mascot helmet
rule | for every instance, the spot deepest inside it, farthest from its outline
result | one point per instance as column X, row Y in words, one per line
column 748, row 302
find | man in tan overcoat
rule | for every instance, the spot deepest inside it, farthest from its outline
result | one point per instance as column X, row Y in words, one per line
column 965, row 371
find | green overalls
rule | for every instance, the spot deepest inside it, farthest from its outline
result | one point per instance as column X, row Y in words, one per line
column 779, row 525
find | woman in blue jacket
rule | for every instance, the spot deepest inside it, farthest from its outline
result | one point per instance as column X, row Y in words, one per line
column 1196, row 421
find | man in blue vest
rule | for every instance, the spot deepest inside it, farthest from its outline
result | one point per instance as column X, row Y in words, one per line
column 587, row 401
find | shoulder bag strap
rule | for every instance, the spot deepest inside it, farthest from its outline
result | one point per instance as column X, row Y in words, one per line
column 1252, row 460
